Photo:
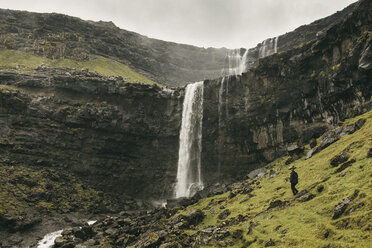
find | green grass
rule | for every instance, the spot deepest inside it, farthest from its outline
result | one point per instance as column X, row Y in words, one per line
column 306, row 224
column 10, row 59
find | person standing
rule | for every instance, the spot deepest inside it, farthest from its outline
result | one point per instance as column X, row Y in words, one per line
column 293, row 180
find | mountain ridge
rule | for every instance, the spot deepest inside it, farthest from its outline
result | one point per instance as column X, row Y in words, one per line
column 169, row 63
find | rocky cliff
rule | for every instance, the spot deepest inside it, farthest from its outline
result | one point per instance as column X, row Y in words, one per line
column 123, row 138
column 288, row 98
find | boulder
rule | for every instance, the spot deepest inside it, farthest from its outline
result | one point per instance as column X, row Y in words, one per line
column 306, row 197
column 339, row 159
column 340, row 208
column 192, row 218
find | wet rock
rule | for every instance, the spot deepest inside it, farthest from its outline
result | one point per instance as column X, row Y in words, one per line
column 340, row 208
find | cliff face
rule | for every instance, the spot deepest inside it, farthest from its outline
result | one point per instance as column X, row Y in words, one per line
column 289, row 97
column 123, row 138
column 300, row 35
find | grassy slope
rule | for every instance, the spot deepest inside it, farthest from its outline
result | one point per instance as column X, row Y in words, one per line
column 306, row 224
column 9, row 59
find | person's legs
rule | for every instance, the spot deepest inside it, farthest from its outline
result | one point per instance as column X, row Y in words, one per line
column 294, row 190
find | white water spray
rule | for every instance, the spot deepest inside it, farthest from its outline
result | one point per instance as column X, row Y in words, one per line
column 237, row 62
column 268, row 47
column 189, row 179
column 48, row 240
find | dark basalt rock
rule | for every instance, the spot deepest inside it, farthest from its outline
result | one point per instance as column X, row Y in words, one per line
column 344, row 166
column 275, row 204
column 341, row 158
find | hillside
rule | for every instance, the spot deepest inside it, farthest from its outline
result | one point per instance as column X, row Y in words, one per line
column 86, row 129
column 332, row 209
column 75, row 43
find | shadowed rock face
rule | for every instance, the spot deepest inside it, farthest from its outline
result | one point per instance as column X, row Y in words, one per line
column 123, row 138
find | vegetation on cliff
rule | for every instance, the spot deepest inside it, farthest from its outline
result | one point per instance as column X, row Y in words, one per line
column 27, row 193
column 24, row 62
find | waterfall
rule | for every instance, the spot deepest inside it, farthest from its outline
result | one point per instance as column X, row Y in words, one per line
column 276, row 44
column 268, row 47
column 237, row 62
column 189, row 155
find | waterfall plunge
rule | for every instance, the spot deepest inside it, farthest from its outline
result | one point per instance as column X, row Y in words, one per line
column 189, row 155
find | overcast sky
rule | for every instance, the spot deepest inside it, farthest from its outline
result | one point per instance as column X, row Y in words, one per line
column 208, row 23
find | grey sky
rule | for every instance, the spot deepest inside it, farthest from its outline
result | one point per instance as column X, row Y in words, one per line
column 216, row 23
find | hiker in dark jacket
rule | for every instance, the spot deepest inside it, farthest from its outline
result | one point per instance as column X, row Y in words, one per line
column 294, row 180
